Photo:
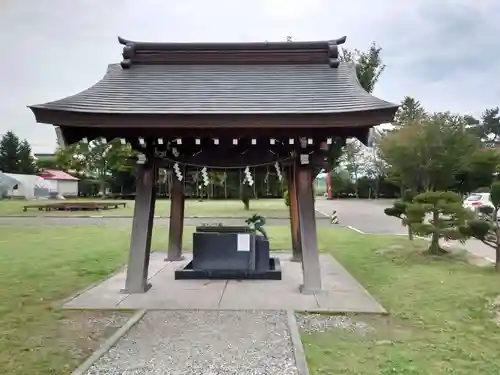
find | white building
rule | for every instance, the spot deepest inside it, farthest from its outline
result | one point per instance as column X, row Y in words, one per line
column 23, row 186
column 61, row 182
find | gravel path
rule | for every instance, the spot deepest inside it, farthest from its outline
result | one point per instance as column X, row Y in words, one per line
column 312, row 323
column 203, row 342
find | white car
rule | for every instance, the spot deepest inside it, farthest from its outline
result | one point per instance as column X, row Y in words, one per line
column 476, row 200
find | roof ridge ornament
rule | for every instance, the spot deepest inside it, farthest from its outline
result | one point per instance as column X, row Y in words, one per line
column 333, row 51
column 128, row 52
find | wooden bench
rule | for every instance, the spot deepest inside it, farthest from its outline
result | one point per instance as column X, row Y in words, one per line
column 40, row 207
column 80, row 207
column 75, row 206
column 115, row 205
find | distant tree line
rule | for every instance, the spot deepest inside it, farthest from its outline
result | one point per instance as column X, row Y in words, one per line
column 16, row 155
column 102, row 170
column 442, row 150
column 422, row 152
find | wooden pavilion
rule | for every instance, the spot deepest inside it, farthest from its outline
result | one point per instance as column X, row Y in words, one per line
column 222, row 105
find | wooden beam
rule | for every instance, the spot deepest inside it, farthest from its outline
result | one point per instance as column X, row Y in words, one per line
column 142, row 230
column 236, row 123
column 151, row 135
column 227, row 161
column 176, row 226
column 223, row 153
column 308, row 237
column 294, row 214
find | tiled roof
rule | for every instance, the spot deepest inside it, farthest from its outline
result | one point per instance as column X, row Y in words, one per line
column 53, row 174
column 224, row 89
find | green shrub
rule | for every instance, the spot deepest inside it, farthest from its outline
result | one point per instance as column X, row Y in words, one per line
column 399, row 208
column 438, row 214
column 286, row 197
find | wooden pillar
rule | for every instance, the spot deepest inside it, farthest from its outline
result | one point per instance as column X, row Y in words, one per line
column 176, row 226
column 308, row 237
column 294, row 214
column 142, row 229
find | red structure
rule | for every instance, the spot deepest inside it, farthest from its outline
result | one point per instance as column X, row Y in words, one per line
column 54, row 174
column 329, row 192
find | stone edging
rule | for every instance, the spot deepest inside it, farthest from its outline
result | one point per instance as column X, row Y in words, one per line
column 109, row 343
column 298, row 349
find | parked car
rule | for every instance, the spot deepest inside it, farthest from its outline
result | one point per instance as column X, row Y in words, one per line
column 476, row 200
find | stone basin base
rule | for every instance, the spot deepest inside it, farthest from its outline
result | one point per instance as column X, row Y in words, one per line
column 188, row 273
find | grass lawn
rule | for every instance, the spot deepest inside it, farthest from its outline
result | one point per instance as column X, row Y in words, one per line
column 271, row 208
column 442, row 318
column 445, row 315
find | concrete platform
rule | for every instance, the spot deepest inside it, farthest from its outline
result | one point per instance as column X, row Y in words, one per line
column 342, row 293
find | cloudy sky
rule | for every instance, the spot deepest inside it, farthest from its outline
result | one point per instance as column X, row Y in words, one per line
column 446, row 53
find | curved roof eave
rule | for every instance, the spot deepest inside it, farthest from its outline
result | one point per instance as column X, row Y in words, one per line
column 222, row 90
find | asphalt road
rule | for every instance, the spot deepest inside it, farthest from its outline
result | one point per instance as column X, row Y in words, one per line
column 366, row 216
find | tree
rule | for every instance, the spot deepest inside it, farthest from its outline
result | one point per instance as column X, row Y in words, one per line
column 246, row 192
column 488, row 128
column 340, row 181
column 410, row 110
column 429, row 153
column 471, row 121
column 369, row 67
column 102, row 158
column 333, row 158
column 399, row 210
column 487, row 229
column 480, row 172
column 352, row 159
column 375, row 165
column 396, row 147
column 398, row 151
column 98, row 159
column 70, row 158
column 217, row 181
column 15, row 155
column 445, row 148
column 9, row 153
column 47, row 162
column 27, row 164
column 439, row 214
